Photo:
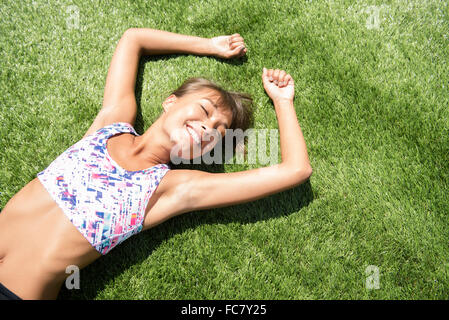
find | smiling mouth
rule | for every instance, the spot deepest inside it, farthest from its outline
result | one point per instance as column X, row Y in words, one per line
column 193, row 134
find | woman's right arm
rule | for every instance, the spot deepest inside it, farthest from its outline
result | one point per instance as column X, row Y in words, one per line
column 119, row 101
column 199, row 190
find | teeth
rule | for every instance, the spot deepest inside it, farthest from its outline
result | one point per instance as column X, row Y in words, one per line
column 194, row 135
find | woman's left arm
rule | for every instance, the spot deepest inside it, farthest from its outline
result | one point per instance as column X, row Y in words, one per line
column 119, row 101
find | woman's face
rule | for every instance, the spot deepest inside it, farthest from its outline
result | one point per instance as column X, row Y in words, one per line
column 195, row 123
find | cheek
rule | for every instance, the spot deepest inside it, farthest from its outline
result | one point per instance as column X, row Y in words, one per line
column 182, row 116
column 175, row 119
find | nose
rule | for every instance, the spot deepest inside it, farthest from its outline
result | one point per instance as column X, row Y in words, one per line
column 211, row 126
column 210, row 133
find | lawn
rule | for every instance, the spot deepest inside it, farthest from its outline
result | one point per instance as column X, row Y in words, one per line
column 372, row 98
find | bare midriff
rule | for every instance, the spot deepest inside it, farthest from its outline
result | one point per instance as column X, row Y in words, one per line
column 37, row 244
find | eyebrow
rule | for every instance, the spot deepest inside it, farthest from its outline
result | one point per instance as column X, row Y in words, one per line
column 216, row 107
column 212, row 103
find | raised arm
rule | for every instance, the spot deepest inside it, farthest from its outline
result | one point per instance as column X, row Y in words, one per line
column 119, row 101
column 121, row 79
column 202, row 190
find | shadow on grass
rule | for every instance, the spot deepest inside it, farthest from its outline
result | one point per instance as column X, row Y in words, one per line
column 95, row 277
column 135, row 250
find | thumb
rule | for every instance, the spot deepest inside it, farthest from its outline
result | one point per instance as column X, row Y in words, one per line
column 237, row 50
column 265, row 75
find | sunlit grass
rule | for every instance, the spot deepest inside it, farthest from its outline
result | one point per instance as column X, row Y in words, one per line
column 372, row 99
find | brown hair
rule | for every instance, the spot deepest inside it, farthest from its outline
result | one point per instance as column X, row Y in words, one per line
column 239, row 103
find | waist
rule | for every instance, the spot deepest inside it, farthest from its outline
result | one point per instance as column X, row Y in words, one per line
column 45, row 243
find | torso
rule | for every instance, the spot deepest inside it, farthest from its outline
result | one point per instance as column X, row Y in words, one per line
column 38, row 242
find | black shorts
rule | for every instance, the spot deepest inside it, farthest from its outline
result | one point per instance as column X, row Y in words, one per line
column 5, row 294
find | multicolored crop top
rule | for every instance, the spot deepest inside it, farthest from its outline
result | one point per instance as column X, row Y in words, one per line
column 105, row 202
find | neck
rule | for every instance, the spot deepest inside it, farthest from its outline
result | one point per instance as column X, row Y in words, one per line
column 153, row 146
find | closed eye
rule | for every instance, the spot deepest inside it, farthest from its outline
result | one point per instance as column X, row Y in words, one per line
column 207, row 113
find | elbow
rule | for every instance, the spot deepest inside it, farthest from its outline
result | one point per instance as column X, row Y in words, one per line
column 132, row 33
column 129, row 33
column 305, row 172
column 130, row 39
column 302, row 174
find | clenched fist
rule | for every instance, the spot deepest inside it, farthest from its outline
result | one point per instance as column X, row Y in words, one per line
column 278, row 84
column 228, row 47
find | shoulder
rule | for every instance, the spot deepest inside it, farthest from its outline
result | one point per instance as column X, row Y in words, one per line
column 106, row 117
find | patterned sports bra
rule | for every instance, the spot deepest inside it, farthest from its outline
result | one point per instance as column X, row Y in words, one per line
column 105, row 202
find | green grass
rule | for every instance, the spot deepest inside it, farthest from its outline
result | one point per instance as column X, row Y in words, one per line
column 373, row 106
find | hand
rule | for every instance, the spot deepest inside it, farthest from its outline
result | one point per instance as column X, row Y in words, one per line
column 228, row 47
column 278, row 84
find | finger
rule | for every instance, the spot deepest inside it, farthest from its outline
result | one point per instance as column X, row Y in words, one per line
column 237, row 51
column 266, row 80
column 289, row 80
column 282, row 75
column 237, row 38
column 276, row 76
column 243, row 52
column 234, row 39
column 236, row 44
column 270, row 74
column 266, row 76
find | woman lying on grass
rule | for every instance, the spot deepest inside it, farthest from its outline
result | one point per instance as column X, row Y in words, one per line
column 115, row 183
